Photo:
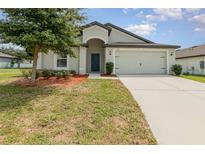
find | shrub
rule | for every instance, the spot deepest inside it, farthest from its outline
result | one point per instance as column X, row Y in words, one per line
column 72, row 72
column 38, row 74
column 59, row 74
column 54, row 73
column 46, row 73
column 66, row 74
column 177, row 69
column 109, row 67
column 26, row 73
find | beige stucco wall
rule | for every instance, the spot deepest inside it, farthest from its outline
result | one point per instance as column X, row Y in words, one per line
column 74, row 61
column 188, row 63
column 82, row 59
column 110, row 54
column 95, row 32
column 171, row 57
column 49, row 60
column 101, row 33
column 118, row 36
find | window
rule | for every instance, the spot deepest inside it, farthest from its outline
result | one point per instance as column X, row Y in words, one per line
column 61, row 61
column 201, row 63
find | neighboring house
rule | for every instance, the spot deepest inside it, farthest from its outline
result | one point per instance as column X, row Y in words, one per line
column 23, row 64
column 101, row 43
column 5, row 60
column 192, row 59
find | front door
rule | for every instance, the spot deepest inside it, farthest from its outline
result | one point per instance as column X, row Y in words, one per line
column 95, row 62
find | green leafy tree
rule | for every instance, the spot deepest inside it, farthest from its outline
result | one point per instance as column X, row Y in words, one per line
column 41, row 30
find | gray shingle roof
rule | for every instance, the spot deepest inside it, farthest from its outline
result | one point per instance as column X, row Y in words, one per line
column 147, row 43
column 3, row 55
column 194, row 51
column 143, row 45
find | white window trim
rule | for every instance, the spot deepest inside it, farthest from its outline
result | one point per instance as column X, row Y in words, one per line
column 60, row 68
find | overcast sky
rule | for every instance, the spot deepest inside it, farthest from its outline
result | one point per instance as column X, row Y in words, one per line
column 185, row 27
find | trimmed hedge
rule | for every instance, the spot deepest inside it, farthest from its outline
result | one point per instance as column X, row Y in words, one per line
column 109, row 67
column 50, row 73
column 177, row 69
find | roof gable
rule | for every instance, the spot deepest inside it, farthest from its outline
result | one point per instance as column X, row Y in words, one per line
column 128, row 33
column 97, row 24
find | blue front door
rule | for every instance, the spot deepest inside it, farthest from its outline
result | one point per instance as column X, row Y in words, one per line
column 95, row 62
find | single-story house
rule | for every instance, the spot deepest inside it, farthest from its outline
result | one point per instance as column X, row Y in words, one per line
column 192, row 59
column 101, row 43
column 5, row 60
column 23, row 64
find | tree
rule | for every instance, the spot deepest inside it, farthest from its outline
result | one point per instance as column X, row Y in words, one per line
column 41, row 30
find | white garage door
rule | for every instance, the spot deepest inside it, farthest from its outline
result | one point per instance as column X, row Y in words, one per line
column 140, row 62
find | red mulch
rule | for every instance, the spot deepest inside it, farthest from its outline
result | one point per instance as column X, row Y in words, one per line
column 51, row 82
column 108, row 75
column 81, row 75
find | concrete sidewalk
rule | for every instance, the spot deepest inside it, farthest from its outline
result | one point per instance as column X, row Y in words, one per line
column 98, row 76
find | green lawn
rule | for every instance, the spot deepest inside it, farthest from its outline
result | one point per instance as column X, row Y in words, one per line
column 94, row 112
column 6, row 74
column 195, row 78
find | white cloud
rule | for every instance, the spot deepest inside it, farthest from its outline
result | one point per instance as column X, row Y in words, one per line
column 142, row 29
column 124, row 10
column 200, row 21
column 165, row 14
column 192, row 10
column 140, row 14
column 155, row 18
column 198, row 29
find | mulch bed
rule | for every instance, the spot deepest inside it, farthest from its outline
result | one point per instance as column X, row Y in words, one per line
column 108, row 75
column 81, row 75
column 50, row 82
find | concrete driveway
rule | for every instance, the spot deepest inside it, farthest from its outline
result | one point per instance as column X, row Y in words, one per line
column 174, row 107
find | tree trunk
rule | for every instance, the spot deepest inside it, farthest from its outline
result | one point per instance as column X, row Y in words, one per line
column 35, row 58
column 18, row 63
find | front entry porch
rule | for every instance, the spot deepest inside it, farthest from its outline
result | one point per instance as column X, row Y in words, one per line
column 95, row 60
column 93, row 57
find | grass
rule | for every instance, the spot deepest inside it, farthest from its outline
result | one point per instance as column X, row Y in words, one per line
column 94, row 112
column 194, row 77
column 6, row 74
